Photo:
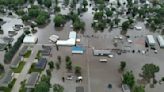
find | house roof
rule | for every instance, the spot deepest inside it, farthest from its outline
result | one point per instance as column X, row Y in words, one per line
column 32, row 80
column 41, row 63
column 7, row 78
column 23, row 50
column 15, row 62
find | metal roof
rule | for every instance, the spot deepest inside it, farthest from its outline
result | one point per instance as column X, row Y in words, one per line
column 101, row 52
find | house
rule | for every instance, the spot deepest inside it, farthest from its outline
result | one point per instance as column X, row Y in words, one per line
column 32, row 80
column 23, row 50
column 7, row 78
column 41, row 64
column 46, row 50
column 15, row 62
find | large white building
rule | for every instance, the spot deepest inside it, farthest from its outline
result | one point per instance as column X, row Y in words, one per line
column 30, row 39
column 69, row 42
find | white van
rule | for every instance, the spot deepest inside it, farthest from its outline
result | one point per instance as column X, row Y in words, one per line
column 103, row 60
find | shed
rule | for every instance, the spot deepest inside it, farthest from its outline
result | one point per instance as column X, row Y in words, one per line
column 101, row 52
column 32, row 80
column 7, row 78
column 160, row 41
column 30, row 39
column 41, row 63
column 150, row 40
column 15, row 62
column 77, row 50
column 54, row 38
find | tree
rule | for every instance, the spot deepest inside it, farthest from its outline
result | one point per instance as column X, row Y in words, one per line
column 98, row 15
column 59, row 20
column 85, row 3
column 69, row 65
column 117, row 20
column 78, row 25
column 58, row 88
column 122, row 65
column 67, row 59
column 47, row 3
column 78, row 70
column 66, row 2
column 149, row 70
column 57, row 65
column 59, row 58
column 1, row 68
column 125, row 25
column 40, row 2
column 109, row 13
column 128, row 78
column 42, row 87
column 51, row 64
column 138, row 89
column 48, row 71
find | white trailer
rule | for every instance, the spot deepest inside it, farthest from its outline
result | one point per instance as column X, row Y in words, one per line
column 150, row 40
column 160, row 41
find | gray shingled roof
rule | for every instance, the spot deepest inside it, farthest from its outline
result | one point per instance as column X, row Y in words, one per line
column 23, row 50
column 32, row 80
column 7, row 78
column 15, row 62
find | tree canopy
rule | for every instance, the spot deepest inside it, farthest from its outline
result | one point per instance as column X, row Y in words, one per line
column 149, row 70
column 128, row 78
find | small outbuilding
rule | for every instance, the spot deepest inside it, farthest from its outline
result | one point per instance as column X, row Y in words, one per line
column 54, row 38
column 150, row 40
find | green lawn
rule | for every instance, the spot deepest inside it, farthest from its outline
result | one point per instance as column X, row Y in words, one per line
column 9, row 88
column 38, row 55
column 20, row 67
column 27, row 54
column 33, row 69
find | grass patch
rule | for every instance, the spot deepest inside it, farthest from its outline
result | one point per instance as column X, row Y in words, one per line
column 9, row 88
column 38, row 56
column 27, row 54
column 22, row 88
column 20, row 67
column 33, row 69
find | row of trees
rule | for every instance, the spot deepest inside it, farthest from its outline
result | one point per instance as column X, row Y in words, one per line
column 10, row 54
